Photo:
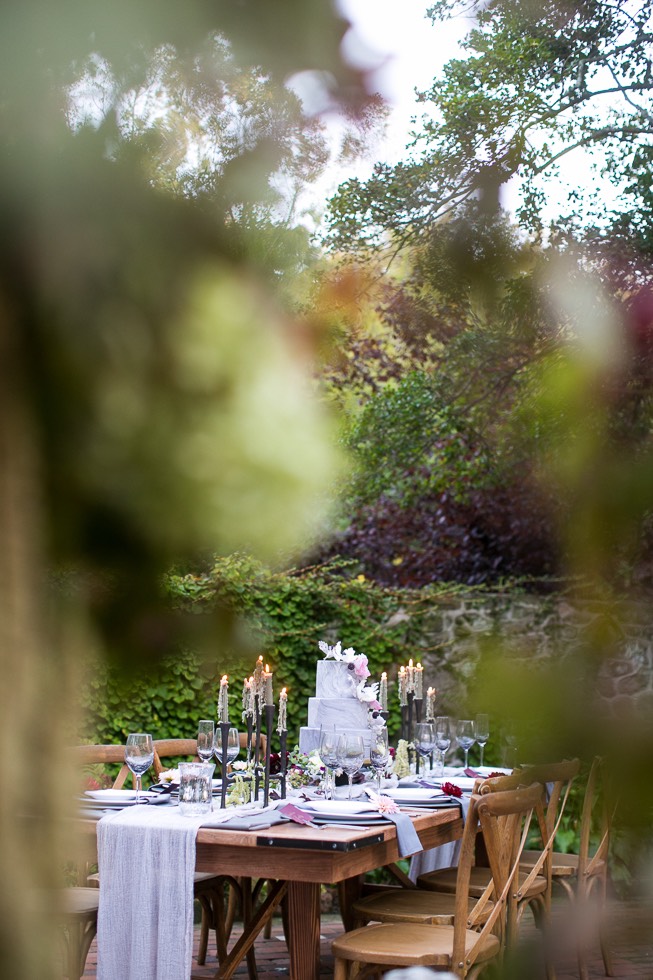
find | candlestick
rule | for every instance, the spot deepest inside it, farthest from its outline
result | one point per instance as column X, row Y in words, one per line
column 403, row 686
column 223, row 700
column 383, row 692
column 283, row 706
column 430, row 703
column 419, row 681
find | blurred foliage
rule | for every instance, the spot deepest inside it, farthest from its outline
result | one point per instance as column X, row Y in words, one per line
column 154, row 403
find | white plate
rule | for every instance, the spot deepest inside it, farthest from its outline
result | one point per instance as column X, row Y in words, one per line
column 339, row 807
column 402, row 795
column 117, row 796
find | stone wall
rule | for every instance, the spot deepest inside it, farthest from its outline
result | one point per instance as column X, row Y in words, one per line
column 616, row 641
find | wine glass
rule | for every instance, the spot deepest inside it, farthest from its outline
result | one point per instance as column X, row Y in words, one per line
column 465, row 736
column 510, row 738
column 205, row 739
column 424, row 739
column 442, row 738
column 139, row 756
column 351, row 755
column 233, row 745
column 329, row 756
column 482, row 730
column 379, row 753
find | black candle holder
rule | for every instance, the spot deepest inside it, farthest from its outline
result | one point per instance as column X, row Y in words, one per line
column 269, row 722
column 257, row 748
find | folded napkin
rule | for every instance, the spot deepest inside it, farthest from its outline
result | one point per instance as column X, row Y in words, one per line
column 444, row 856
column 408, row 840
column 253, row 821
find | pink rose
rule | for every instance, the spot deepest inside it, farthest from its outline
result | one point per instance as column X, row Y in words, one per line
column 360, row 666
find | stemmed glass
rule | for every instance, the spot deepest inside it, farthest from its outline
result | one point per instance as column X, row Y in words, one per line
column 465, row 736
column 442, row 737
column 329, row 756
column 424, row 739
column 139, row 756
column 233, row 745
column 482, row 732
column 205, row 739
column 379, row 753
column 351, row 755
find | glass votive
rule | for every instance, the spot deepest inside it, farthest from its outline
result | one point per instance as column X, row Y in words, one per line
column 195, row 787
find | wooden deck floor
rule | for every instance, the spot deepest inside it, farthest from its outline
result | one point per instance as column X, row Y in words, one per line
column 632, row 945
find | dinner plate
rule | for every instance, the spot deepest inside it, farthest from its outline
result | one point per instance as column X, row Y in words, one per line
column 413, row 795
column 120, row 797
column 341, row 807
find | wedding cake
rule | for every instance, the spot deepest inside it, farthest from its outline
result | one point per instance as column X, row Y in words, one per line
column 343, row 699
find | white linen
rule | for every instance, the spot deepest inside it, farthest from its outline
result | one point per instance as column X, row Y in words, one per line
column 146, row 857
column 444, row 856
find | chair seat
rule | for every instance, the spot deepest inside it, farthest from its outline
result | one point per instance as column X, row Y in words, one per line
column 562, row 865
column 415, row 944
column 445, row 881
column 413, row 905
column 80, row 903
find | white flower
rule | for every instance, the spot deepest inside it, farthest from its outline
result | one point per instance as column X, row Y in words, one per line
column 239, row 766
column 169, row 776
column 349, row 655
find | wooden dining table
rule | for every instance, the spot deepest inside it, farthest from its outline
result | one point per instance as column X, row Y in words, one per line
column 298, row 860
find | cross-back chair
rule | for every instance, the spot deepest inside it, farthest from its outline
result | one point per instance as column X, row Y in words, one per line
column 584, row 876
column 504, row 818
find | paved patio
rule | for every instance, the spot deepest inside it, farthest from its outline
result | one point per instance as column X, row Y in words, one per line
column 632, row 945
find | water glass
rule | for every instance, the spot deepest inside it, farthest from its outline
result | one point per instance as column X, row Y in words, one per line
column 329, row 756
column 233, row 745
column 482, row 732
column 465, row 736
column 195, row 787
column 442, row 728
column 351, row 755
column 379, row 753
column 424, row 739
column 139, row 756
column 205, row 739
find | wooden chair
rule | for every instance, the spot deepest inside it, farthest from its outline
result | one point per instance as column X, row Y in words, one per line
column 584, row 876
column 79, row 920
column 504, row 819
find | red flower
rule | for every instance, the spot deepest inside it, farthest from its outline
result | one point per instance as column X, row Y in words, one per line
column 90, row 783
column 493, row 774
column 450, row 789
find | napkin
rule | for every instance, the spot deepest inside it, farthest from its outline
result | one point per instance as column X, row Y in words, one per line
column 253, row 821
column 408, row 840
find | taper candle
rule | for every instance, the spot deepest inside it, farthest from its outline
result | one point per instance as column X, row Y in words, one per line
column 419, row 681
column 283, row 706
column 410, row 684
column 383, row 692
column 403, row 686
column 267, row 677
column 430, row 703
column 223, row 700
column 258, row 677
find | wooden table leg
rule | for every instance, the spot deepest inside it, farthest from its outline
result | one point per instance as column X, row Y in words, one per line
column 303, row 905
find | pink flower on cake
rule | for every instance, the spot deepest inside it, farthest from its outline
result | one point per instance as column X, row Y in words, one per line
column 360, row 666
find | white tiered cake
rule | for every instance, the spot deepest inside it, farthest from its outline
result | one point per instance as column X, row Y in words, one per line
column 335, row 705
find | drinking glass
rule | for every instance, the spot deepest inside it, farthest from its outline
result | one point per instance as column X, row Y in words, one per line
column 482, row 732
column 139, row 756
column 233, row 745
column 510, row 737
column 379, row 753
column 351, row 755
column 442, row 738
column 424, row 739
column 205, row 739
column 329, row 756
column 465, row 736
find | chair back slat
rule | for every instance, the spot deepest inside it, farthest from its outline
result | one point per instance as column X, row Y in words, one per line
column 90, row 755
